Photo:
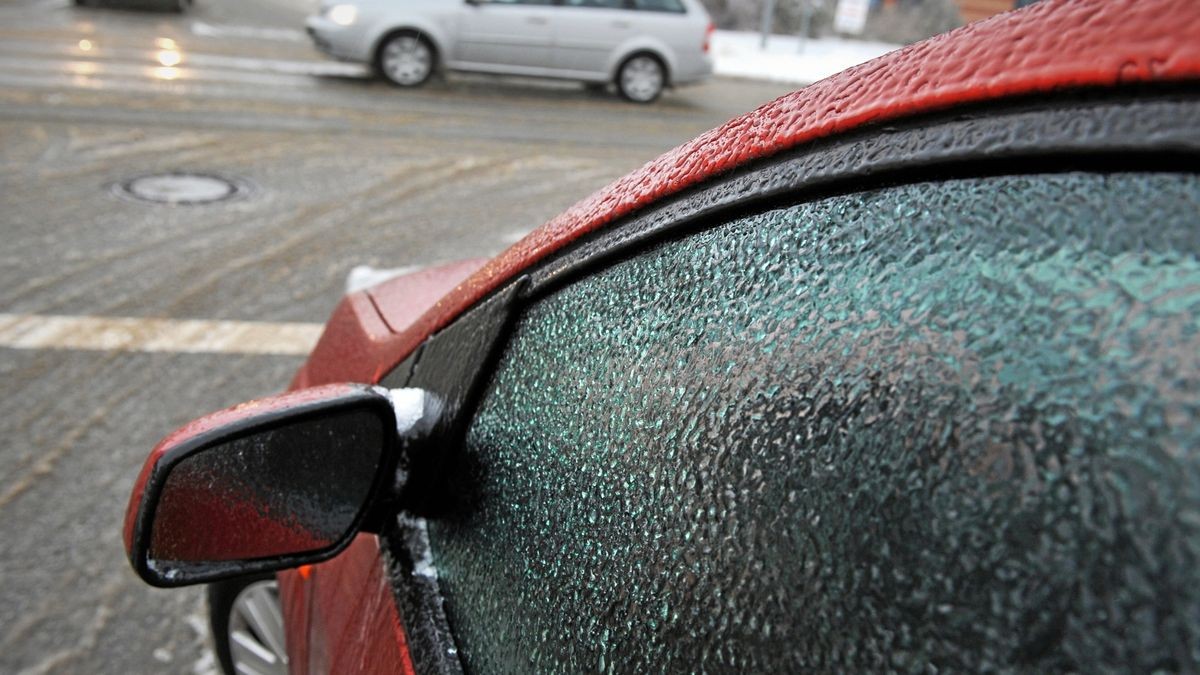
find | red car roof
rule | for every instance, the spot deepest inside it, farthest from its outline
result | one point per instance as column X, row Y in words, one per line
column 1051, row 45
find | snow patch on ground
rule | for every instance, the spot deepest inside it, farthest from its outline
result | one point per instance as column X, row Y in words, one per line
column 739, row 54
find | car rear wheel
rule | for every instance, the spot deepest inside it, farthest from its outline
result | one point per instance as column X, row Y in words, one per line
column 247, row 626
column 406, row 59
column 641, row 78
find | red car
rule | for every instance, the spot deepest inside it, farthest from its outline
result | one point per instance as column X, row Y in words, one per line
column 900, row 372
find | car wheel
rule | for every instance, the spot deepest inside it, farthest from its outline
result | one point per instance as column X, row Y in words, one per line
column 641, row 78
column 247, row 626
column 406, row 59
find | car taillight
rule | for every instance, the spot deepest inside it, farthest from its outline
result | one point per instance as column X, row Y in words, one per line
column 708, row 36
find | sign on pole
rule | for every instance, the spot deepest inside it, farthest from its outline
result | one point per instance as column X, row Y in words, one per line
column 851, row 16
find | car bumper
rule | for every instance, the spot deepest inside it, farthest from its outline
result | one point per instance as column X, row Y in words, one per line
column 695, row 71
column 347, row 43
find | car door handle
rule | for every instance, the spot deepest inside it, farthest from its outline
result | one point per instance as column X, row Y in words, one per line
column 621, row 24
column 537, row 20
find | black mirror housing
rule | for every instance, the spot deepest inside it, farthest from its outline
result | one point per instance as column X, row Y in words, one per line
column 267, row 485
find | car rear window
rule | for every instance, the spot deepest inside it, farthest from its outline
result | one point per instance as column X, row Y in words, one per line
column 948, row 426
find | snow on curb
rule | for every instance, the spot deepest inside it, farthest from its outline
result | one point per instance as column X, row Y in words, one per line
column 738, row 54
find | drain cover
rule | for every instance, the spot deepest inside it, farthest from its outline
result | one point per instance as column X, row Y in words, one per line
column 181, row 188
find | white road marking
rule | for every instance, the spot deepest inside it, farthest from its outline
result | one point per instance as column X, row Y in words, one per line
column 66, row 58
column 253, row 32
column 270, row 74
column 131, row 334
column 362, row 277
column 30, row 64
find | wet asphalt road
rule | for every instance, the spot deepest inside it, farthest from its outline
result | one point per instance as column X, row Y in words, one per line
column 344, row 170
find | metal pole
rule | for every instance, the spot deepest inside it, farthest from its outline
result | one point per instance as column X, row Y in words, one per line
column 806, row 12
column 767, row 18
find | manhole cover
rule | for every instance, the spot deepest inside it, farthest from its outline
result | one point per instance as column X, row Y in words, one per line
column 181, row 188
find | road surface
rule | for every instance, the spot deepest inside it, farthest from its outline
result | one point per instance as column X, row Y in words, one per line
column 120, row 320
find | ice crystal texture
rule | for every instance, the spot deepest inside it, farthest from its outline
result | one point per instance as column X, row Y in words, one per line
column 930, row 428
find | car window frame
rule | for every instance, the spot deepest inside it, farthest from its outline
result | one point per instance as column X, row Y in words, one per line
column 621, row 7
column 516, row 3
column 632, row 5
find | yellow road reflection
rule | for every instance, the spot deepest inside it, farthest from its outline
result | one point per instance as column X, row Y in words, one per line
column 169, row 58
column 82, row 68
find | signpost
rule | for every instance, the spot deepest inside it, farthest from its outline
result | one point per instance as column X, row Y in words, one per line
column 851, row 16
column 767, row 18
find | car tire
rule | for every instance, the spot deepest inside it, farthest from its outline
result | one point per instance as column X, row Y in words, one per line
column 641, row 78
column 406, row 59
column 247, row 625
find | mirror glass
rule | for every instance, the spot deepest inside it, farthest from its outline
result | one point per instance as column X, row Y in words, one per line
column 295, row 488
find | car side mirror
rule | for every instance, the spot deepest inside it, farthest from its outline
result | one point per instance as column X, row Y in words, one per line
column 266, row 485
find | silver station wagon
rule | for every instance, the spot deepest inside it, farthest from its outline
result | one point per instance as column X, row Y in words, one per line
column 641, row 46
